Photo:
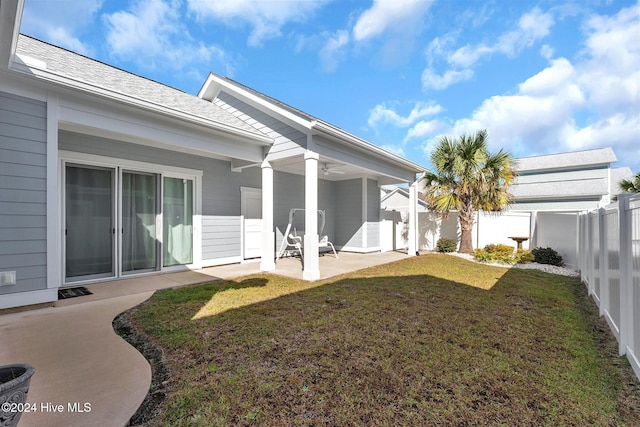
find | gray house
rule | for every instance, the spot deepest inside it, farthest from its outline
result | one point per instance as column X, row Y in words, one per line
column 106, row 175
column 573, row 181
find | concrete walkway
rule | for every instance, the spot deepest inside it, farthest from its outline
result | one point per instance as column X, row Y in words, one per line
column 86, row 375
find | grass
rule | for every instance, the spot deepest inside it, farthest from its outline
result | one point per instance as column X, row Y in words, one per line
column 430, row 340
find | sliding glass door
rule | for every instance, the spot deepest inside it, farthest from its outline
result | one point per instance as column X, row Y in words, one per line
column 139, row 211
column 89, row 222
column 177, row 221
column 120, row 221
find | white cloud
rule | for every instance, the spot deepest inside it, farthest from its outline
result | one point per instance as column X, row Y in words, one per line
column 467, row 56
column 592, row 103
column 333, row 49
column 266, row 17
column 540, row 113
column 151, row 34
column 432, row 80
column 424, row 128
column 611, row 72
column 384, row 15
column 60, row 22
column 532, row 27
column 381, row 113
column 547, row 52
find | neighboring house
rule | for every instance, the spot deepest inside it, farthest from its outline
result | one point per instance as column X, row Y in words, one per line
column 394, row 198
column 568, row 182
column 106, row 175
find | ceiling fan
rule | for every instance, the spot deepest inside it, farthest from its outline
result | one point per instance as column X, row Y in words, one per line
column 327, row 169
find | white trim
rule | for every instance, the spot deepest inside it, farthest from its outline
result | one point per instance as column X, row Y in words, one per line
column 54, row 232
column 97, row 160
column 20, row 299
column 210, row 93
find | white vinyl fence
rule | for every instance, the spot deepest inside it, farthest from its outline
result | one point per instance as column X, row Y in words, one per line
column 609, row 262
column 545, row 229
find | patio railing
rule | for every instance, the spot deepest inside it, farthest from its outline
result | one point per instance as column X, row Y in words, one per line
column 609, row 262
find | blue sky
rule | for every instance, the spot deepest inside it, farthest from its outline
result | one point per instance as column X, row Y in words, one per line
column 542, row 77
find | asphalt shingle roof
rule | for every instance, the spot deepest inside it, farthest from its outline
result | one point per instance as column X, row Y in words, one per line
column 95, row 73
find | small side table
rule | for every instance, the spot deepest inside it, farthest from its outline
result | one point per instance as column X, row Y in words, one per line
column 519, row 240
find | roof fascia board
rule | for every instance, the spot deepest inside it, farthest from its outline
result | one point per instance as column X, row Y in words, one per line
column 20, row 66
column 342, row 136
column 214, row 85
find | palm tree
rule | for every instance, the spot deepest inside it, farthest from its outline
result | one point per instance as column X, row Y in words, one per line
column 467, row 178
column 631, row 186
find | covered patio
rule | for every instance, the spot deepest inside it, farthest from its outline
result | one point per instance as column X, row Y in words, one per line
column 313, row 166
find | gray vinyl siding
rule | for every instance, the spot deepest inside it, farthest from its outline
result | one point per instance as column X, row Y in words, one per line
column 348, row 211
column 287, row 140
column 23, row 196
column 221, row 236
column 289, row 194
column 373, row 213
column 564, row 175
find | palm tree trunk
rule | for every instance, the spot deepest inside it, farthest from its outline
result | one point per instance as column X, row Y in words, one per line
column 465, row 217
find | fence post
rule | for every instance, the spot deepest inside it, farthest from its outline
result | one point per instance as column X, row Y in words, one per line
column 626, row 284
column 590, row 266
column 533, row 232
column 603, row 263
column 582, row 243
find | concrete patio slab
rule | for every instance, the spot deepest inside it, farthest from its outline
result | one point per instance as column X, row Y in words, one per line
column 86, row 375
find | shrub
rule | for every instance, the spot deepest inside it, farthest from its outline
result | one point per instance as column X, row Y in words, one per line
column 503, row 254
column 547, row 256
column 524, row 256
column 446, row 245
column 499, row 250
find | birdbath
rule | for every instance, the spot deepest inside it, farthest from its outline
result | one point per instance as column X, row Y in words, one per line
column 519, row 240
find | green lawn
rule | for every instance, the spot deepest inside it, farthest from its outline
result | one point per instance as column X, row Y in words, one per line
column 430, row 340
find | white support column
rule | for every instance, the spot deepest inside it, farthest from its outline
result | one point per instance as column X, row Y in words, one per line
column 268, row 237
column 365, row 220
column 311, row 268
column 413, row 219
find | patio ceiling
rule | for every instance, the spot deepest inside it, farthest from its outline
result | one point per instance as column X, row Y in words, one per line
column 331, row 170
